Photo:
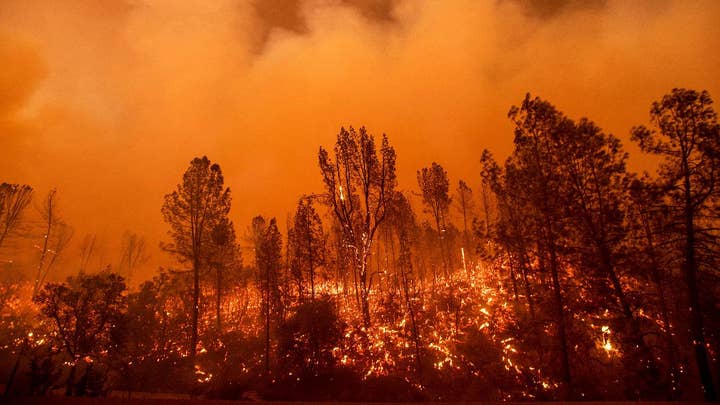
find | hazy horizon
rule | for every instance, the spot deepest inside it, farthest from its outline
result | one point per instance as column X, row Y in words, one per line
column 109, row 101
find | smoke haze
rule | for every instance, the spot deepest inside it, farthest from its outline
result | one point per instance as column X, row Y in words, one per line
column 109, row 101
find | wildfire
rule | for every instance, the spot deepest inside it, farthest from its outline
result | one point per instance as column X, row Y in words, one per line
column 450, row 313
column 605, row 342
column 202, row 376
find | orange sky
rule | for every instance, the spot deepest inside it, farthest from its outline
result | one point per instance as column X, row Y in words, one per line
column 109, row 100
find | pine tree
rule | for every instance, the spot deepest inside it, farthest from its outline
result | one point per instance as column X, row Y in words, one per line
column 687, row 137
column 193, row 210
column 359, row 182
column 307, row 245
column 268, row 260
column 435, row 189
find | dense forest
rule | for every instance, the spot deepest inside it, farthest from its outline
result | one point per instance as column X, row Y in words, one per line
column 556, row 274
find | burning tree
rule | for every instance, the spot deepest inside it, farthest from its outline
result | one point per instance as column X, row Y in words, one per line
column 466, row 206
column 401, row 219
column 307, row 245
column 224, row 257
column 359, row 184
column 532, row 172
column 435, row 187
column 88, row 313
column 268, row 260
column 200, row 202
column 574, row 293
column 56, row 237
column 688, row 140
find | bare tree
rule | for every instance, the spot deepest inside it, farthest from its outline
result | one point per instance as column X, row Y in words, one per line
column 87, row 249
column 465, row 206
column 134, row 254
column 359, row 183
column 56, row 237
column 14, row 198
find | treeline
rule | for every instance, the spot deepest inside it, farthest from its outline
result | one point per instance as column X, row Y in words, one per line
column 563, row 275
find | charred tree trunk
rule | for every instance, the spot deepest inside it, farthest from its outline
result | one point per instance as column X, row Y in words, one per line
column 218, row 300
column 658, row 280
column 696, row 317
column 267, row 319
column 560, row 314
column 364, row 290
column 195, row 308
column 524, row 268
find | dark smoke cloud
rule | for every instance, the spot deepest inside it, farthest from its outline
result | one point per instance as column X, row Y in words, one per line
column 545, row 9
column 291, row 15
column 376, row 10
column 278, row 14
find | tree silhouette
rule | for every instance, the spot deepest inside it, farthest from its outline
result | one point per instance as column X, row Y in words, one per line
column 307, row 245
column 465, row 206
column 401, row 218
column 87, row 249
column 511, row 230
column 133, row 254
column 193, row 210
column 591, row 282
column 594, row 192
column 650, row 228
column 87, row 312
column 687, row 137
column 268, row 259
column 435, row 188
column 532, row 165
column 359, row 183
column 308, row 337
column 224, row 256
column 14, row 198
column 56, row 237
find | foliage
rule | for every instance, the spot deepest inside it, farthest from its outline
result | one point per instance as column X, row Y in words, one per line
column 588, row 281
